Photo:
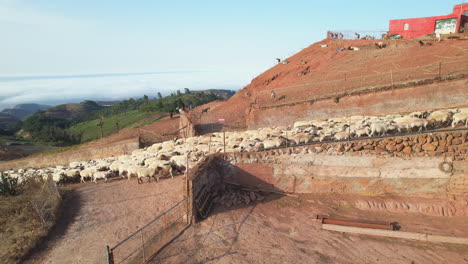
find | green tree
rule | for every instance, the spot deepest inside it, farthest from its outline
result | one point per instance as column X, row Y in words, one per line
column 187, row 91
column 159, row 95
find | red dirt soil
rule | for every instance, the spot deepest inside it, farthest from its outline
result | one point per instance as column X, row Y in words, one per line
column 283, row 230
column 96, row 215
column 326, row 64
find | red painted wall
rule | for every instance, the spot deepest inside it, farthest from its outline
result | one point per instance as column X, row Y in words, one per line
column 425, row 25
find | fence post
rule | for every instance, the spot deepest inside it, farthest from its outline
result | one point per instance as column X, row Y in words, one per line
column 110, row 256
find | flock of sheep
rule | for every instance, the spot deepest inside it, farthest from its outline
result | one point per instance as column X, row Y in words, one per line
column 170, row 157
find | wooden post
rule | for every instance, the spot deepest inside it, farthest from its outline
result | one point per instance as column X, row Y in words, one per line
column 110, row 257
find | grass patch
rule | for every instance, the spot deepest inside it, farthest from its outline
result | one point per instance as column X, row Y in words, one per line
column 91, row 131
column 59, row 150
column 21, row 229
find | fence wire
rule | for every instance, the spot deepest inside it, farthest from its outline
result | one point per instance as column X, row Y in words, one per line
column 346, row 85
column 143, row 244
column 46, row 202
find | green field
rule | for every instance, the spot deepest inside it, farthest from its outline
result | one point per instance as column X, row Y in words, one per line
column 91, row 131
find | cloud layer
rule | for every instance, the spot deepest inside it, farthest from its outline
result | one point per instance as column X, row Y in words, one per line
column 56, row 89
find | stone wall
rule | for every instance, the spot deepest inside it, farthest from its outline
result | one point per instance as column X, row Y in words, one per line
column 447, row 94
column 429, row 165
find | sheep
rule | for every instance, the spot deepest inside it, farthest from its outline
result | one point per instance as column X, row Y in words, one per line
column 87, row 173
column 378, row 128
column 462, row 116
column 362, row 131
column 164, row 170
column 341, row 135
column 302, row 138
column 439, row 117
column 274, row 142
column 142, row 172
column 409, row 123
column 100, row 175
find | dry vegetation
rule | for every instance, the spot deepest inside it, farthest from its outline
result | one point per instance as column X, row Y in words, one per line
column 21, row 228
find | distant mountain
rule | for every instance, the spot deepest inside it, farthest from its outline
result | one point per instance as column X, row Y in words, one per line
column 225, row 94
column 72, row 110
column 107, row 103
column 22, row 111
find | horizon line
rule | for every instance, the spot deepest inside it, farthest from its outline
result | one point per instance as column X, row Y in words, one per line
column 98, row 75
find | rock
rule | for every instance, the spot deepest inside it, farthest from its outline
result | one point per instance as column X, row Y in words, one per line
column 357, row 147
column 399, row 140
column 407, row 150
column 399, row 147
column 435, row 143
column 390, row 147
column 449, row 138
column 253, row 197
column 457, row 141
column 260, row 198
column 318, row 149
column 340, row 148
column 422, row 140
column 369, row 147
column 417, row 148
column 428, row 147
column 441, row 149
column 442, row 142
column 428, row 139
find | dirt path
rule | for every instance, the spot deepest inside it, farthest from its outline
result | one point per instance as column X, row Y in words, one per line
column 96, row 215
column 284, row 231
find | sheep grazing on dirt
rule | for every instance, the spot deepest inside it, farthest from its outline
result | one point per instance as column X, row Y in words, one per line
column 100, row 175
column 460, row 117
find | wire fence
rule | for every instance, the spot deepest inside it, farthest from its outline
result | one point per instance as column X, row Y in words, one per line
column 46, row 202
column 359, row 34
column 146, row 242
column 355, row 85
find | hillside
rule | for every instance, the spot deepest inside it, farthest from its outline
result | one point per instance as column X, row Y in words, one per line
column 7, row 121
column 316, row 64
column 72, row 110
column 22, row 111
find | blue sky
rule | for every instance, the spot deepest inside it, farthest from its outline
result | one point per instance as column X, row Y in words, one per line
column 203, row 44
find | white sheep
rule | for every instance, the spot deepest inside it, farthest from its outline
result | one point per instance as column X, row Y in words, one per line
column 142, row 172
column 100, row 175
column 460, row 117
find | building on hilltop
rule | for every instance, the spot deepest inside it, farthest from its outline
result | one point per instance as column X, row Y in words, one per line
column 457, row 22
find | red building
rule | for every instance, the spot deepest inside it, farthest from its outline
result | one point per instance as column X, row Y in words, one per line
column 456, row 22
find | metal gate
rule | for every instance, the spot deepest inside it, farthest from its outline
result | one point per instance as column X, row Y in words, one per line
column 146, row 242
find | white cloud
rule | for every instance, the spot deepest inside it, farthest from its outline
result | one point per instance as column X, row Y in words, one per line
column 62, row 90
column 15, row 12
